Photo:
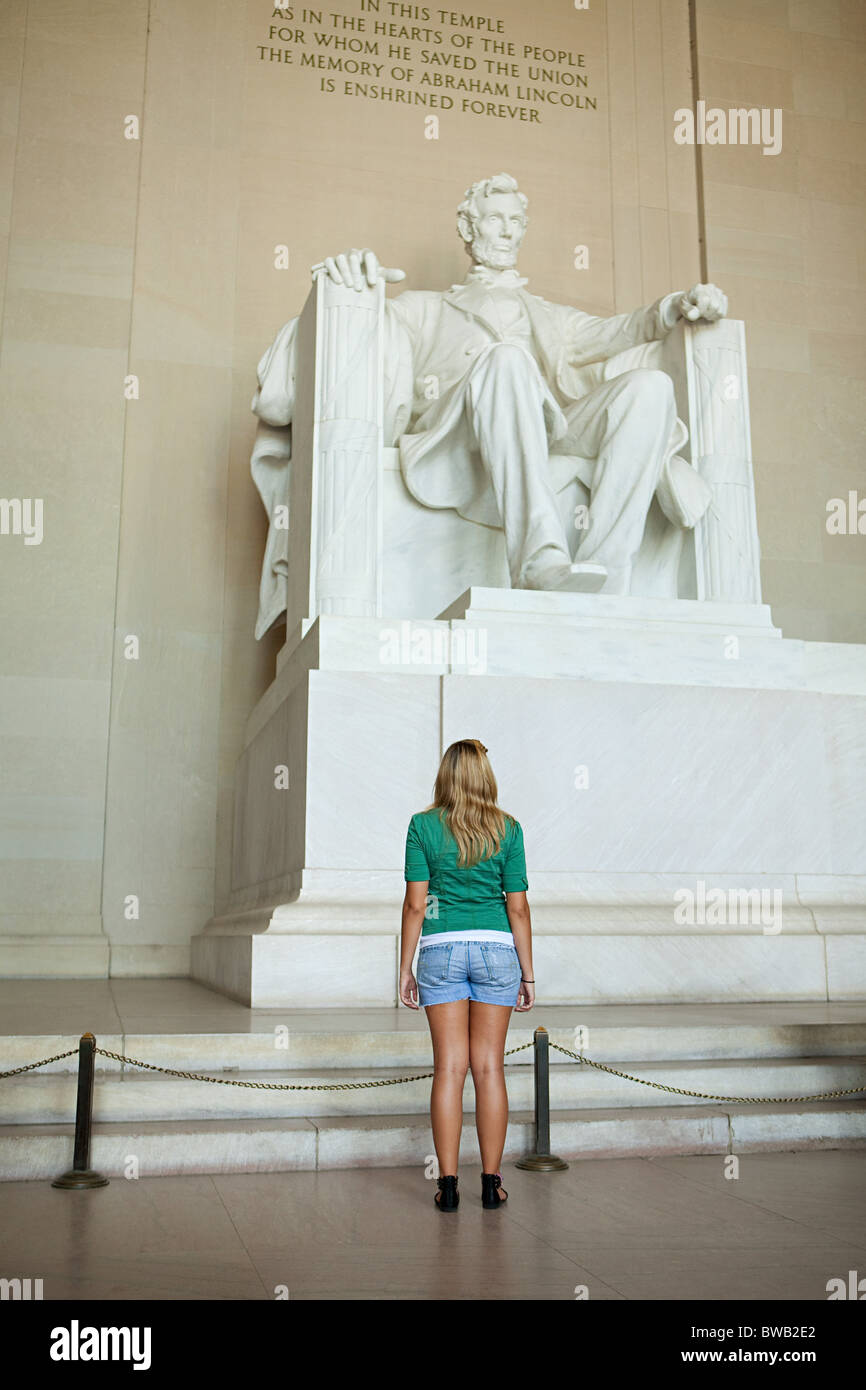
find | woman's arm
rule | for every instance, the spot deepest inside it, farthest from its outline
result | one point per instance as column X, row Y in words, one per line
column 521, row 928
column 414, row 906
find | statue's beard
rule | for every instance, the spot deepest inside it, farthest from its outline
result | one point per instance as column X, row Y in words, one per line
column 485, row 252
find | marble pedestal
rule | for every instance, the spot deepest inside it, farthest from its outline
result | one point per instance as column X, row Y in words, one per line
column 652, row 749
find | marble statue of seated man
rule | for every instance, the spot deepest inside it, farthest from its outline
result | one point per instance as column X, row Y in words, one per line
column 486, row 394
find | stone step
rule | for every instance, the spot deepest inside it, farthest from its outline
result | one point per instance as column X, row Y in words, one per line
column 320, row 1042
column 277, row 1145
column 143, row 1095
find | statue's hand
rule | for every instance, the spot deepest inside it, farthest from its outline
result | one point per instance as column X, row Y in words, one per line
column 703, row 302
column 356, row 269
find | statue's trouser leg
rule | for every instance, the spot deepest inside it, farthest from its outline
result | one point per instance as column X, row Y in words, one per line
column 625, row 426
column 504, row 404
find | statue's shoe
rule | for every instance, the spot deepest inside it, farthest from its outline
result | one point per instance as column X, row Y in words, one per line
column 578, row 578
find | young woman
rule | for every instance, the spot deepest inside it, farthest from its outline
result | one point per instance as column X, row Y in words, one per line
column 475, row 961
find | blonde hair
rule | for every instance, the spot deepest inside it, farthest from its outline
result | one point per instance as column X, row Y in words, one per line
column 465, row 793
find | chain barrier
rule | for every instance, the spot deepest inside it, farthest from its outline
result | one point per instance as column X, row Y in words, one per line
column 704, row 1095
column 31, row 1066
column 282, row 1085
column 422, row 1076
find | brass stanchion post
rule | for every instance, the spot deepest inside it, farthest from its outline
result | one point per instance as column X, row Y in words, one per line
column 81, row 1174
column 541, row 1160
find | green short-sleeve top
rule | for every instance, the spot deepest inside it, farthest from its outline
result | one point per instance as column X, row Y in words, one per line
column 462, row 898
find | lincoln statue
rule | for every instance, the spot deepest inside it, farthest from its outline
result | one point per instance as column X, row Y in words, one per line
column 488, row 399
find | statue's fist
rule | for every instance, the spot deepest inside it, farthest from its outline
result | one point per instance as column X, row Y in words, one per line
column 703, row 302
column 357, row 269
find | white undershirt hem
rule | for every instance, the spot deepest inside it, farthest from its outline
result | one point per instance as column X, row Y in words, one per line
column 437, row 938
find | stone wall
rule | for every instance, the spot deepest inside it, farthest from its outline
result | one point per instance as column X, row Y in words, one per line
column 129, row 666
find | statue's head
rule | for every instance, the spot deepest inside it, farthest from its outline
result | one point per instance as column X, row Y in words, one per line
column 492, row 221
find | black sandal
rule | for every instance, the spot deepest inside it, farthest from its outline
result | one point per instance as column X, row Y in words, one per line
column 447, row 1198
column 491, row 1196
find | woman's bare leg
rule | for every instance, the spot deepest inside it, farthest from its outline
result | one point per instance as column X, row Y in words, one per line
column 449, row 1029
column 488, row 1025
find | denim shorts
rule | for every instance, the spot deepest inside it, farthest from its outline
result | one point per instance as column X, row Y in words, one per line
column 488, row 971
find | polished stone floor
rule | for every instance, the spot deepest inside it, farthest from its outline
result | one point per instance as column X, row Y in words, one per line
column 625, row 1228
column 633, row 1229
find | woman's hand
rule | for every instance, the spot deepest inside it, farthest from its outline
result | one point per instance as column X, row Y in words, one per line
column 526, row 997
column 408, row 990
